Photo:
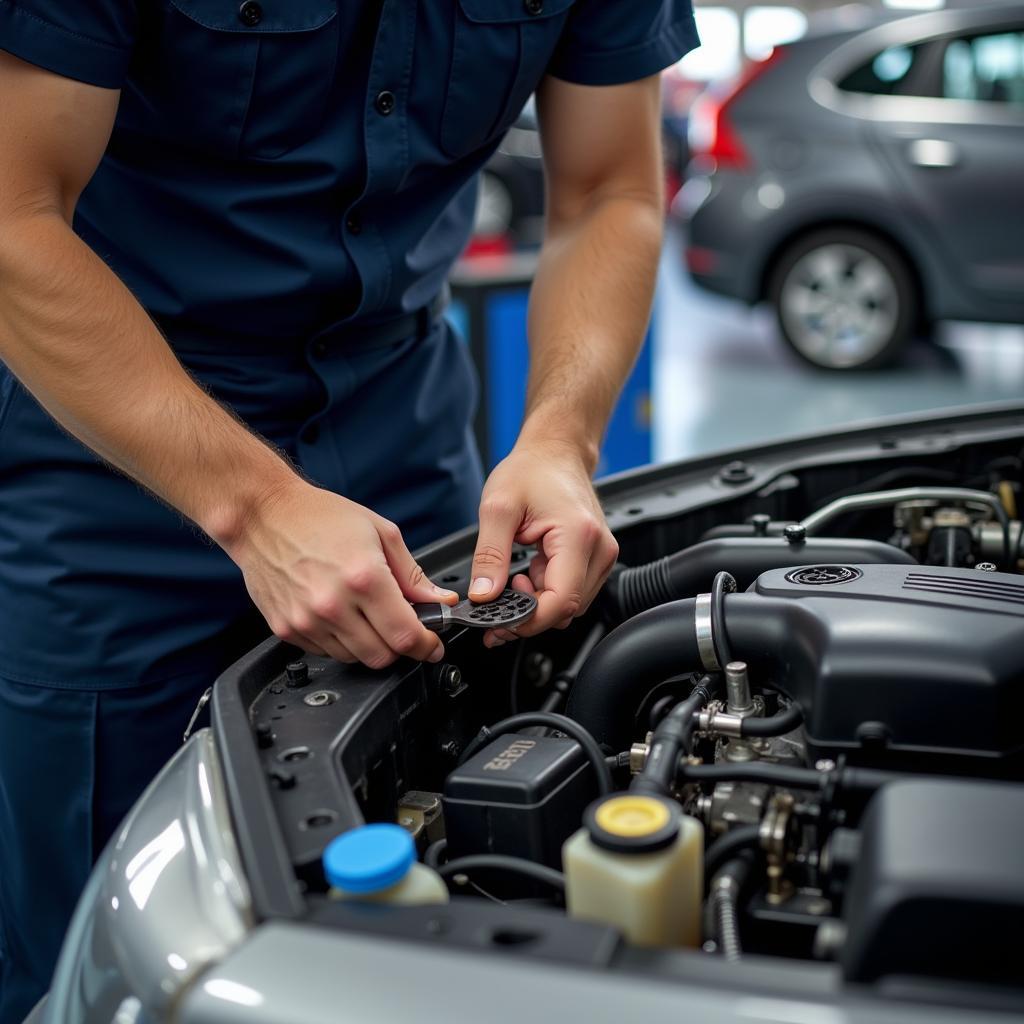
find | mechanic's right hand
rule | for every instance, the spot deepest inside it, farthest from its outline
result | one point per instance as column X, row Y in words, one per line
column 334, row 578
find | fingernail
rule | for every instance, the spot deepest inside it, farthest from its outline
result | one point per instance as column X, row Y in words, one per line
column 495, row 641
column 442, row 592
column 436, row 655
column 481, row 585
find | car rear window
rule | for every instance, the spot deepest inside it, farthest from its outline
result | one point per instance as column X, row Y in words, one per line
column 989, row 68
column 888, row 73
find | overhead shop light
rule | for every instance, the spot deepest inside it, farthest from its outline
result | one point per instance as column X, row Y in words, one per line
column 915, row 5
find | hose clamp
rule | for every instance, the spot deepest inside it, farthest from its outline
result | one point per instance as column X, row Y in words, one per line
column 704, row 630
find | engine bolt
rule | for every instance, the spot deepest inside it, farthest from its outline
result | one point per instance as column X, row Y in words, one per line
column 795, row 533
column 825, row 764
column 760, row 523
column 736, row 472
column 296, row 674
column 451, row 680
column 987, row 567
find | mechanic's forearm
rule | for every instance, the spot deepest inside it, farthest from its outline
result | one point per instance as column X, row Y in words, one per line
column 80, row 342
column 589, row 309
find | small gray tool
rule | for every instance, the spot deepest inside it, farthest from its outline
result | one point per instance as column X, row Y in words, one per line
column 508, row 610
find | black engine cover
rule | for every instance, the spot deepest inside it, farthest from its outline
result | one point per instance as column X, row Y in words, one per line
column 926, row 659
column 938, row 887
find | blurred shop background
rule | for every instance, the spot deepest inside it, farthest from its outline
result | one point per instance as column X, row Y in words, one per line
column 844, row 195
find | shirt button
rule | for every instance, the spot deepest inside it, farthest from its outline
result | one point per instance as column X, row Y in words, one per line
column 250, row 13
column 385, row 102
column 533, row 6
column 354, row 224
column 311, row 433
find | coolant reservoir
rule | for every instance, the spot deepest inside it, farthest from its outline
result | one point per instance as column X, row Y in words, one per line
column 638, row 864
column 377, row 864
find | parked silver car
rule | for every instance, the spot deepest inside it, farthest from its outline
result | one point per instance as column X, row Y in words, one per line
column 868, row 182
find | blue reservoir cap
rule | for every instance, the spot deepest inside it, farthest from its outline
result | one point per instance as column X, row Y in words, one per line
column 369, row 858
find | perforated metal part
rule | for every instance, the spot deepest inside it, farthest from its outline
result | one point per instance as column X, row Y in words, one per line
column 508, row 610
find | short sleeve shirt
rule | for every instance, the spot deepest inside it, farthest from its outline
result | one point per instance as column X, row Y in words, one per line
column 278, row 165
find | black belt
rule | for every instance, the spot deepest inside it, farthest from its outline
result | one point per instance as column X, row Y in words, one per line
column 360, row 336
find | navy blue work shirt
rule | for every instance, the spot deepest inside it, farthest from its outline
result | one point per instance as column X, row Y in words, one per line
column 279, row 165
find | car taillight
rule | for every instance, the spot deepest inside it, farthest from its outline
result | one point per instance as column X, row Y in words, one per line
column 711, row 131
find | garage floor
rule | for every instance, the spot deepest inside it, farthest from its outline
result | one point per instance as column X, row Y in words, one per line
column 723, row 378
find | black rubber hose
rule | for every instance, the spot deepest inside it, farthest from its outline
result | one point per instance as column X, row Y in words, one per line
column 671, row 740
column 692, row 570
column 662, row 642
column 629, row 661
column 752, row 771
column 547, row 720
column 564, row 681
column 434, row 852
column 774, row 725
column 861, row 780
column 723, row 583
column 726, row 887
column 498, row 862
column 729, row 846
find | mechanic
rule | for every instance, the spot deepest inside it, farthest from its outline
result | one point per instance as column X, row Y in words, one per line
column 230, row 398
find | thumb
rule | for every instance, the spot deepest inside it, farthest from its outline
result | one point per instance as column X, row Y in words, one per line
column 498, row 525
column 411, row 578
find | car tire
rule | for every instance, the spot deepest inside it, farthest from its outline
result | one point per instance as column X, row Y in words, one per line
column 844, row 299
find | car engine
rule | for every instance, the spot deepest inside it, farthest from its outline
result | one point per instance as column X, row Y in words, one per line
column 810, row 666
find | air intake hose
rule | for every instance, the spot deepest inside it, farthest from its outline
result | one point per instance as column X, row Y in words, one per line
column 662, row 642
column 690, row 571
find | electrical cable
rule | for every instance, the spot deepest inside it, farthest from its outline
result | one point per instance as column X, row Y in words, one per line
column 499, row 862
column 517, row 664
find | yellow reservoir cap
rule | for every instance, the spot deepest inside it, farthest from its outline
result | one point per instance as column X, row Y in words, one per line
column 632, row 817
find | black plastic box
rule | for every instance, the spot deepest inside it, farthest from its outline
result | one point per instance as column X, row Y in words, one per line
column 521, row 796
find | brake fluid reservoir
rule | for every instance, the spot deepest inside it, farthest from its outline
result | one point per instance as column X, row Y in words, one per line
column 638, row 864
column 377, row 864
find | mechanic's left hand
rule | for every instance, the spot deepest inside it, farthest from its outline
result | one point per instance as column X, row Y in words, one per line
column 541, row 495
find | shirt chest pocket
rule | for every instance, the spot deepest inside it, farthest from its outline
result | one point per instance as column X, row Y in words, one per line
column 500, row 51
column 243, row 79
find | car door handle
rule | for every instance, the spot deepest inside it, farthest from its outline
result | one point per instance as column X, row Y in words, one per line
column 933, row 153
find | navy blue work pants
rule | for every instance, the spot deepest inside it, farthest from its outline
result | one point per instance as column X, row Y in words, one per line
column 116, row 614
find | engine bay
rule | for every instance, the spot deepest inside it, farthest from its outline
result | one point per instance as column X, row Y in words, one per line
column 807, row 669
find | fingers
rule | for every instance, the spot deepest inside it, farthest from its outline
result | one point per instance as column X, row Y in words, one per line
column 565, row 576
column 411, row 578
column 363, row 618
column 602, row 561
column 499, row 521
column 497, row 637
column 568, row 573
column 390, row 623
